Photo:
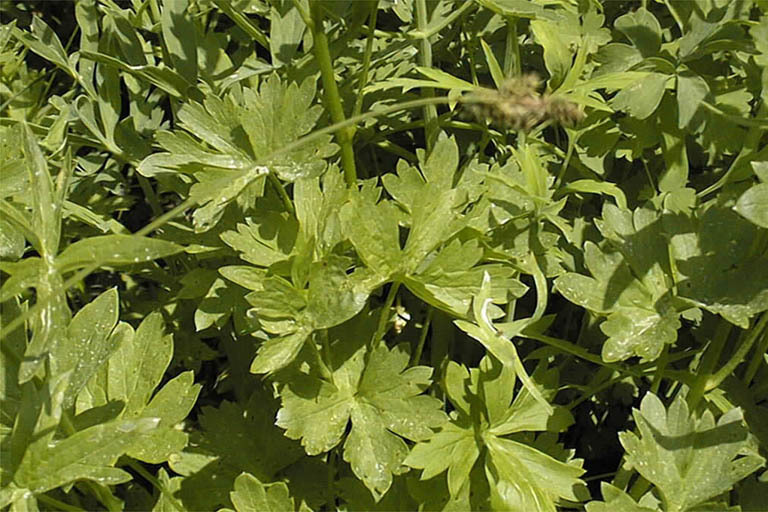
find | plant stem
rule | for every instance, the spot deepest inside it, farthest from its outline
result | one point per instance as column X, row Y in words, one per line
column 53, row 502
column 366, row 58
column 426, row 34
column 512, row 61
column 739, row 355
column 659, row 374
column 321, row 364
column 757, row 357
column 157, row 484
column 708, row 362
column 431, row 126
column 384, row 316
column 332, row 97
column 272, row 179
column 416, row 356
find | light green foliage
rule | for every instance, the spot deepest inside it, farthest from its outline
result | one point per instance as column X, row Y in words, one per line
column 318, row 412
column 630, row 284
column 690, row 460
column 383, row 255
column 487, row 411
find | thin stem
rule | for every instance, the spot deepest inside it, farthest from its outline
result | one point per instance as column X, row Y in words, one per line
column 332, row 96
column 384, row 316
column 751, row 143
column 157, row 484
column 416, row 356
column 426, row 34
column 431, row 126
column 739, row 355
column 708, row 362
column 662, row 364
column 757, row 358
column 272, row 179
column 366, row 59
column 53, row 502
column 321, row 364
column 512, row 61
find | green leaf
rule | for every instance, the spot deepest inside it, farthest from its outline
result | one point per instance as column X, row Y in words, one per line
column 557, row 55
column 715, row 270
column 46, row 217
column 689, row 460
column 485, row 412
column 493, row 65
column 317, row 412
column 180, row 38
column 642, row 98
column 614, row 499
column 597, row 187
column 523, row 478
column 114, row 250
column 251, row 495
column 753, row 205
column 643, row 29
column 691, row 91
column 265, row 240
column 165, row 78
column 277, row 353
column 44, row 42
column 88, row 454
column 88, row 344
column 285, row 33
column 377, row 240
column 638, row 332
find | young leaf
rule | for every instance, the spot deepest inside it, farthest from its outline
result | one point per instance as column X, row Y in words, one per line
column 250, row 495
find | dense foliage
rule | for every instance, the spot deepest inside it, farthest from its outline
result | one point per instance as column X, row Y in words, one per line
column 384, row 255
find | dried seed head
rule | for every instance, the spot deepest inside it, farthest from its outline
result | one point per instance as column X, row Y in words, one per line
column 518, row 105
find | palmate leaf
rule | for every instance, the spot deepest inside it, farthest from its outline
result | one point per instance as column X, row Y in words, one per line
column 236, row 137
column 629, row 284
column 131, row 376
column 519, row 476
column 719, row 264
column 690, row 460
column 318, row 412
column 250, row 495
column 233, row 438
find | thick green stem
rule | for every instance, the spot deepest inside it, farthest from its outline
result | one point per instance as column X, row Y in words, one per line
column 431, row 125
column 332, row 96
column 708, row 362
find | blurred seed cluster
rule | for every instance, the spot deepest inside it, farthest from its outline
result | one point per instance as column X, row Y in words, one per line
column 518, row 105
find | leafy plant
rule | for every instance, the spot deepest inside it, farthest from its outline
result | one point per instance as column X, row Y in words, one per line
column 384, row 255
